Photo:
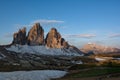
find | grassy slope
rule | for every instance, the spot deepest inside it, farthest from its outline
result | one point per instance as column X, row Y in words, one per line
column 93, row 74
column 94, row 71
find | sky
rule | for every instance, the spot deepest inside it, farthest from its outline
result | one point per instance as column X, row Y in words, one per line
column 79, row 21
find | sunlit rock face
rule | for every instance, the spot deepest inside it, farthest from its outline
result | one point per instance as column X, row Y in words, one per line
column 20, row 37
column 55, row 40
column 36, row 35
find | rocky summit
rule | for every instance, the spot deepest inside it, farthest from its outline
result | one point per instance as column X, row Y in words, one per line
column 20, row 37
column 54, row 40
column 36, row 35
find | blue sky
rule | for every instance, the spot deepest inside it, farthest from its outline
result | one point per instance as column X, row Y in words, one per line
column 79, row 21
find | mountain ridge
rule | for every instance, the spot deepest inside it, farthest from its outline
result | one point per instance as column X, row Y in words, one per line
column 97, row 48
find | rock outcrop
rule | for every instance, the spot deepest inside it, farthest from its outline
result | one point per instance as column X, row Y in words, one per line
column 54, row 40
column 20, row 37
column 64, row 43
column 36, row 35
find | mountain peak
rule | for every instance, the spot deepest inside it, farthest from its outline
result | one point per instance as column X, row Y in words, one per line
column 97, row 48
column 36, row 37
column 20, row 37
column 55, row 40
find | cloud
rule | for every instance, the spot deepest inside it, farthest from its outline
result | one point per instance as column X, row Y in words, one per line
column 18, row 26
column 45, row 21
column 114, row 35
column 81, row 36
column 8, row 35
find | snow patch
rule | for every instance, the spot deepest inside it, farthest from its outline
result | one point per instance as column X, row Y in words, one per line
column 42, row 50
column 100, row 59
column 77, row 62
column 2, row 56
column 106, row 58
column 32, row 75
column 116, row 58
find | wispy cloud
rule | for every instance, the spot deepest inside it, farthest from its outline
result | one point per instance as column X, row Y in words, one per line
column 45, row 21
column 22, row 25
column 80, row 36
column 8, row 35
column 114, row 35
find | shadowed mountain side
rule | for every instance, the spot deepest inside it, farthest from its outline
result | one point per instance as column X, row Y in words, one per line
column 20, row 37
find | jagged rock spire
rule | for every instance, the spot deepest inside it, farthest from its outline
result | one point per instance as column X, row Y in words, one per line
column 36, row 35
column 54, row 39
column 20, row 37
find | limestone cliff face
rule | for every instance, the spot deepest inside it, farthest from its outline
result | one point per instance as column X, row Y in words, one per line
column 36, row 35
column 20, row 37
column 54, row 40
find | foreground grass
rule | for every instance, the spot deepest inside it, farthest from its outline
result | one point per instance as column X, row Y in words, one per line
column 101, row 73
column 95, row 72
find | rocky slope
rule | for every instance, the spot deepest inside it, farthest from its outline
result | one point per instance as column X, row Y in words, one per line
column 11, row 61
column 95, row 48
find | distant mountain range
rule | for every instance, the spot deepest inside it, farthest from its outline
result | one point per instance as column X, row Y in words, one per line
column 96, row 48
